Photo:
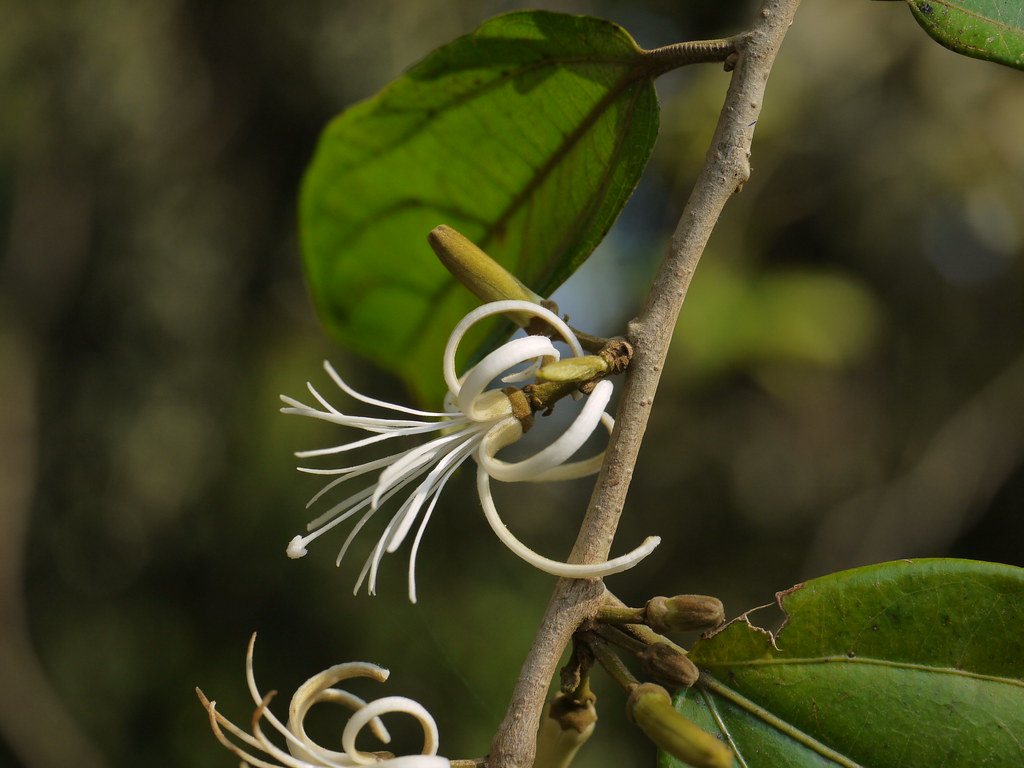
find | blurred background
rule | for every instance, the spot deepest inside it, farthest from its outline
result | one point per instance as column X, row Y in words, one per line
column 846, row 385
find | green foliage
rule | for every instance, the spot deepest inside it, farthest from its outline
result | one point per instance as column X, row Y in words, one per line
column 905, row 663
column 527, row 136
column 984, row 29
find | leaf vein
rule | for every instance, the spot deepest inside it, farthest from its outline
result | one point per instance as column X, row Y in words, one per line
column 863, row 660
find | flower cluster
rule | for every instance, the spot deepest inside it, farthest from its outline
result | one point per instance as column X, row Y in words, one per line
column 302, row 751
column 476, row 422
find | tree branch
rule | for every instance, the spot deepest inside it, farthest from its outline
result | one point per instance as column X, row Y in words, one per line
column 725, row 170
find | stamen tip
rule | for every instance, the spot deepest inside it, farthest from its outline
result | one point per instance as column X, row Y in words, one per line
column 296, row 548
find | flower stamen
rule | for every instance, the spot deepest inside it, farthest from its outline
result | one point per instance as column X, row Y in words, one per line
column 477, row 422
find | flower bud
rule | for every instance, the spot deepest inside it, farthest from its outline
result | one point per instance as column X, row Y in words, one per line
column 574, row 369
column 650, row 707
column 564, row 728
column 486, row 278
column 668, row 665
column 683, row 613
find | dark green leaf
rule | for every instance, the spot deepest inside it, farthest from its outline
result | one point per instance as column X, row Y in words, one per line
column 527, row 136
column 984, row 29
column 910, row 663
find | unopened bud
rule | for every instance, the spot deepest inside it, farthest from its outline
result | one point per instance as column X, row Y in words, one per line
column 486, row 278
column 574, row 369
column 668, row 665
column 683, row 613
column 564, row 728
column 650, row 707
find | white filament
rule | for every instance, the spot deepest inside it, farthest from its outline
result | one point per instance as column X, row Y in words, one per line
column 477, row 422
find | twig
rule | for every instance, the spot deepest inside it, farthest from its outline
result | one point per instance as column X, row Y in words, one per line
column 725, row 170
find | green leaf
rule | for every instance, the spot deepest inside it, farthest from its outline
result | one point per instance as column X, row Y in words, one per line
column 910, row 663
column 527, row 136
column 984, row 29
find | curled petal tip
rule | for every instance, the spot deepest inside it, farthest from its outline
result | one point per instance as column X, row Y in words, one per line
column 555, row 567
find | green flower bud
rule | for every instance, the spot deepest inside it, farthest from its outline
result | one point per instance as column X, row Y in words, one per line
column 668, row 665
column 486, row 278
column 683, row 613
column 650, row 707
column 574, row 369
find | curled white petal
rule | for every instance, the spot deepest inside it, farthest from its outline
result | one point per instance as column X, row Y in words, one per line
column 574, row 469
column 318, row 690
column 554, row 454
column 554, row 567
column 302, row 751
column 497, row 308
column 386, row 705
column 416, row 761
column 504, row 357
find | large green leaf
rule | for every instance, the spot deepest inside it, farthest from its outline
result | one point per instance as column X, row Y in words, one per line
column 910, row 663
column 985, row 29
column 527, row 136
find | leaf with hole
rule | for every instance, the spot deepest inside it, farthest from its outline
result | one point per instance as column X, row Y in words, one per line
column 910, row 663
column 527, row 136
column 983, row 29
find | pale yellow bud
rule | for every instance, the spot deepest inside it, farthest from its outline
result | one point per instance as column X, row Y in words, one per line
column 486, row 278
column 574, row 369
column 564, row 728
column 650, row 707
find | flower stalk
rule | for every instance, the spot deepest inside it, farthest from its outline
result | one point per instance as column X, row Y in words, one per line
column 681, row 613
column 659, row 659
column 610, row 661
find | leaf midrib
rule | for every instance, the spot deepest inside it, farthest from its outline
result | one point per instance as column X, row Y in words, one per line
column 560, row 152
column 842, row 659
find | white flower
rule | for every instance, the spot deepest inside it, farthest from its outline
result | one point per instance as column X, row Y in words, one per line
column 477, row 422
column 303, row 752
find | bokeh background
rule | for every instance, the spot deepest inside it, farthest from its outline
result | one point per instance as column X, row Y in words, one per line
column 846, row 385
